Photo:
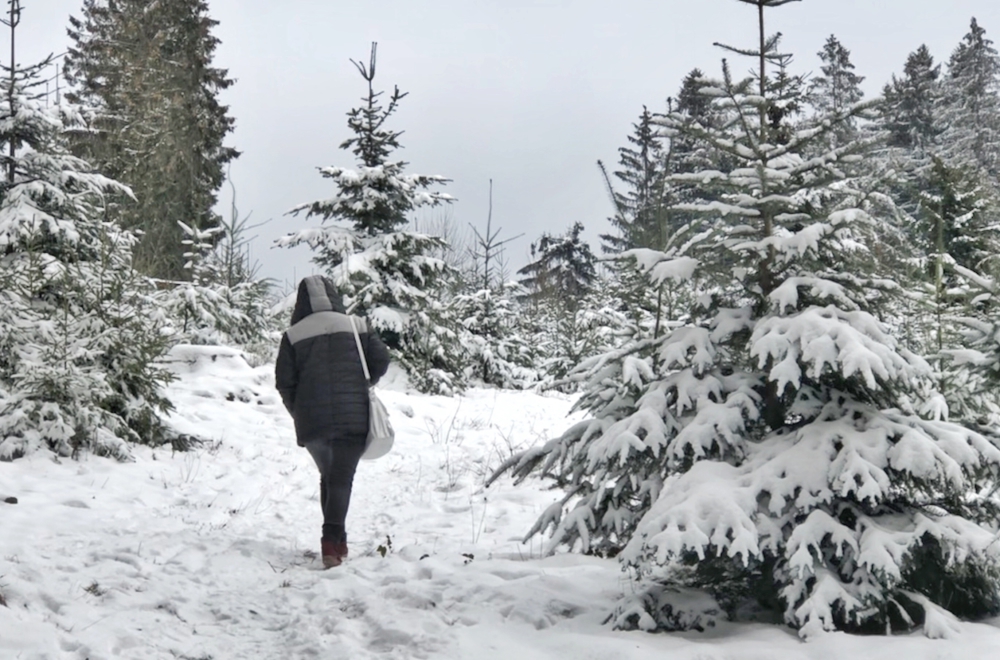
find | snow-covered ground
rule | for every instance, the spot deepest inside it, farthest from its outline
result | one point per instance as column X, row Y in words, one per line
column 211, row 553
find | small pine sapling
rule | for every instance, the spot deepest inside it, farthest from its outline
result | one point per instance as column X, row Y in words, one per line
column 385, row 271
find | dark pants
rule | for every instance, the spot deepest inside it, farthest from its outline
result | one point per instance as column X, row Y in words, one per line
column 337, row 461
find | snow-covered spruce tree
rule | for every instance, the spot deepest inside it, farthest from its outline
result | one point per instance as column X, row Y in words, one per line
column 971, row 107
column 910, row 125
column 495, row 336
column 973, row 367
column 649, row 211
column 773, row 448
column 953, row 231
column 561, row 267
column 970, row 149
column 910, row 122
column 220, row 303
column 961, row 200
column 641, row 200
column 943, row 182
column 246, row 291
column 79, row 335
column 385, row 271
column 222, row 300
column 487, row 311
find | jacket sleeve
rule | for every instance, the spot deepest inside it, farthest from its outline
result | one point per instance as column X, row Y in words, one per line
column 377, row 356
column 286, row 377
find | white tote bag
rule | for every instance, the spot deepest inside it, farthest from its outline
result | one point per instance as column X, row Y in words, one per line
column 380, row 433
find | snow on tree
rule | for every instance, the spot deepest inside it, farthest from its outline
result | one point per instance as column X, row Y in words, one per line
column 487, row 311
column 222, row 300
column 494, row 336
column 385, row 271
column 79, row 331
column 971, row 114
column 221, row 303
column 563, row 267
column 961, row 196
column 953, row 231
column 780, row 446
column 941, row 175
column 839, row 88
column 975, row 364
column 560, row 282
column 649, row 213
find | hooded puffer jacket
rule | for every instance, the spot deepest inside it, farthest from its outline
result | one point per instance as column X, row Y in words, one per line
column 319, row 373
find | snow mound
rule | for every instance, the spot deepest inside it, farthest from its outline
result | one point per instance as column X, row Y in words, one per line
column 220, row 372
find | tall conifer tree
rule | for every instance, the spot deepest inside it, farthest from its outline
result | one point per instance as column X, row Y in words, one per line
column 640, row 210
column 560, row 283
column 971, row 112
column 143, row 71
column 912, row 103
column 838, row 88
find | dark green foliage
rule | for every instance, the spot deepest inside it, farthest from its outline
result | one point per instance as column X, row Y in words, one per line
column 562, row 268
column 143, row 72
column 911, row 102
column 640, row 211
column 837, row 89
column 967, row 589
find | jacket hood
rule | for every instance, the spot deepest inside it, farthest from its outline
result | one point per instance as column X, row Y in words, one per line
column 316, row 294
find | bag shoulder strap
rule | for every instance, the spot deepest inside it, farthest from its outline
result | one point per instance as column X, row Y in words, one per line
column 361, row 351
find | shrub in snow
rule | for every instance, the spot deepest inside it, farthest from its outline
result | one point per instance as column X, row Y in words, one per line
column 496, row 350
column 567, row 335
column 222, row 303
column 79, row 332
column 662, row 607
column 772, row 447
column 568, row 309
column 384, row 271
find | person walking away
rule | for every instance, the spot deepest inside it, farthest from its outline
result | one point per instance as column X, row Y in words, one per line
column 322, row 384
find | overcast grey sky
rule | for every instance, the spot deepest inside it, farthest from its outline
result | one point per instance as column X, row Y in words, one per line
column 530, row 93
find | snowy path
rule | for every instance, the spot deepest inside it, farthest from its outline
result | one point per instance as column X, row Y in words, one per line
column 211, row 554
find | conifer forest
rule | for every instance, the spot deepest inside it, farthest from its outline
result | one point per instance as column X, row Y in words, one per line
column 779, row 356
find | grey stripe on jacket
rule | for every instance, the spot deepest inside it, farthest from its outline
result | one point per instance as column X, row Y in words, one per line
column 319, row 373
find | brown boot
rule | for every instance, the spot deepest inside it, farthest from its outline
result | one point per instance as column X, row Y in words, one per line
column 331, row 553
